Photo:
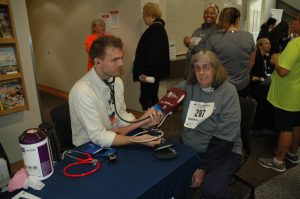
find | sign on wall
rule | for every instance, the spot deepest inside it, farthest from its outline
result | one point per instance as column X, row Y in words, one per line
column 277, row 14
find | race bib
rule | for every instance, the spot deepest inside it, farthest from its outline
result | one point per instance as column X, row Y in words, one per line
column 197, row 113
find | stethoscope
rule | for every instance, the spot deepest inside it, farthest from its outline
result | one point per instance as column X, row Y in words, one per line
column 158, row 134
column 86, row 160
column 113, row 101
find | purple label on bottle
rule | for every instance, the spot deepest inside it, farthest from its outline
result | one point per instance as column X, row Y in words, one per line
column 45, row 159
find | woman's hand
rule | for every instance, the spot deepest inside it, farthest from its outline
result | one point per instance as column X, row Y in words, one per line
column 255, row 79
column 187, row 41
column 142, row 78
column 198, row 178
column 274, row 59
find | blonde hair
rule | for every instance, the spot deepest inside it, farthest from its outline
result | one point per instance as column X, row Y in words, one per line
column 152, row 10
column 96, row 22
column 220, row 74
column 260, row 42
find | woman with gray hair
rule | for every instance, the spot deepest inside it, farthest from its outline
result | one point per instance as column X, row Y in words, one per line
column 211, row 117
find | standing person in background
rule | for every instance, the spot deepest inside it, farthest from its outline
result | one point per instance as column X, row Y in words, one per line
column 284, row 95
column 152, row 56
column 277, row 37
column 291, row 35
column 200, row 35
column 265, row 28
column 235, row 49
column 97, row 30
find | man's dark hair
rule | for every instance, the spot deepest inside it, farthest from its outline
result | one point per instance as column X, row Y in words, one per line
column 99, row 46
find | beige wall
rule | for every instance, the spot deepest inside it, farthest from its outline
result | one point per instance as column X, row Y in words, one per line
column 13, row 125
column 59, row 29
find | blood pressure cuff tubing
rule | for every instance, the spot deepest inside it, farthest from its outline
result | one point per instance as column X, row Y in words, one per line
column 171, row 100
column 216, row 154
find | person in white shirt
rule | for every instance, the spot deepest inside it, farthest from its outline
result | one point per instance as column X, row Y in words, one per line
column 94, row 99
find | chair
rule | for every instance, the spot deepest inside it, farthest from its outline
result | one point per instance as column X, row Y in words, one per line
column 60, row 116
column 248, row 107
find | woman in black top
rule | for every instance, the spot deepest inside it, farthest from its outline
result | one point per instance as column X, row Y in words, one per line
column 260, row 84
column 152, row 56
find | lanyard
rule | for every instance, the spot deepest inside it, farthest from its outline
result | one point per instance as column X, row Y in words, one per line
column 87, row 160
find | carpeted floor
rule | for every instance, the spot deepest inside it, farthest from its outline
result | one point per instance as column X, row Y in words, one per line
column 283, row 186
column 262, row 145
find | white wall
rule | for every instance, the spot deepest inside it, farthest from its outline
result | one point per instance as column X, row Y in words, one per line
column 266, row 9
column 183, row 17
column 254, row 19
column 13, row 125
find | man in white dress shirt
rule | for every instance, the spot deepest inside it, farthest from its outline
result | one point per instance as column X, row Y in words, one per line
column 94, row 99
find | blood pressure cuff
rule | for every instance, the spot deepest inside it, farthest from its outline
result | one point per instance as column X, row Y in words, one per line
column 216, row 154
column 171, row 100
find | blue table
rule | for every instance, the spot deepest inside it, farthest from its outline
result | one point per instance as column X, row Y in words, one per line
column 135, row 174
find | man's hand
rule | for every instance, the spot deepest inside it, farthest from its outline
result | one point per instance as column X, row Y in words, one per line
column 148, row 137
column 155, row 116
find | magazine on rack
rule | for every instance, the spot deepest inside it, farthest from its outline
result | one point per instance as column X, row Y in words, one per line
column 8, row 62
column 5, row 25
column 11, row 94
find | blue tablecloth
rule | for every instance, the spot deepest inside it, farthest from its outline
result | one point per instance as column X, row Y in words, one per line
column 135, row 174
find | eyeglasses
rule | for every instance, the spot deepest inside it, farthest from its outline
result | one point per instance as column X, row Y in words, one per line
column 204, row 68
